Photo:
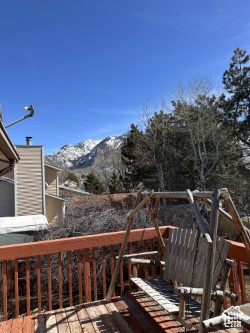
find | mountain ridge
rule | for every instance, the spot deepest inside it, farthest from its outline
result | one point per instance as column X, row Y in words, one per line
column 96, row 155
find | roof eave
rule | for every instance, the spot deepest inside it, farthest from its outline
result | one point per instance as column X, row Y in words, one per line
column 52, row 167
column 7, row 146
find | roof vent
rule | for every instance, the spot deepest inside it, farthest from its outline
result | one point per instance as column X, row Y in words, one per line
column 28, row 140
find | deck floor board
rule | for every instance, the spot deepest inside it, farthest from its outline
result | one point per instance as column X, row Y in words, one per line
column 62, row 322
column 84, row 319
column 73, row 320
column 132, row 313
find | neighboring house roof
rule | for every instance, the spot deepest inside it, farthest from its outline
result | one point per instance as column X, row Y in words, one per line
column 15, row 224
column 52, row 166
column 54, row 196
column 8, row 153
column 20, row 229
column 6, row 180
column 73, row 190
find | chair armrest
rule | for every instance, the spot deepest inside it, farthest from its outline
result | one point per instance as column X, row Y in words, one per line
column 136, row 255
column 147, row 262
column 186, row 291
column 230, row 295
column 135, row 262
column 212, row 322
column 199, row 291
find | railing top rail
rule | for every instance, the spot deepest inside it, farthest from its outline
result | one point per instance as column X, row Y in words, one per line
column 16, row 251
column 237, row 250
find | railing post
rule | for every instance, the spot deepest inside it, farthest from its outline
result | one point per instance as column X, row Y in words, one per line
column 94, row 273
column 69, row 259
column 5, row 300
column 39, row 305
column 242, row 282
column 16, row 289
column 27, row 271
column 87, row 281
column 49, row 283
column 79, row 270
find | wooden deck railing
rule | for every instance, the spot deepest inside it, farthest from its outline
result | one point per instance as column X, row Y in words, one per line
column 64, row 272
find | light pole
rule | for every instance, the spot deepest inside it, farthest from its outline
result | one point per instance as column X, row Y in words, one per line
column 31, row 113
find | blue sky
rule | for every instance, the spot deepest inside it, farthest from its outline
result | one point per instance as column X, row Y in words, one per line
column 88, row 66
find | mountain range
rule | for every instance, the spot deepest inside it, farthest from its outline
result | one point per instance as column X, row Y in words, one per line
column 90, row 155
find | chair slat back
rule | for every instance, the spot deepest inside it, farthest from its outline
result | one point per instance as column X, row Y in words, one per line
column 186, row 256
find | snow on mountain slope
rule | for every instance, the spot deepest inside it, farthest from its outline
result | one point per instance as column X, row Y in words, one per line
column 66, row 155
column 87, row 153
column 87, row 146
column 100, row 152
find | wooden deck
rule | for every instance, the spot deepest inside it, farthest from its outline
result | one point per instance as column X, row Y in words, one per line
column 163, row 320
column 135, row 313
column 90, row 317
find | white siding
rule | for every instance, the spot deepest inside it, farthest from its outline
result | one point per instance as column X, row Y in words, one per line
column 29, row 181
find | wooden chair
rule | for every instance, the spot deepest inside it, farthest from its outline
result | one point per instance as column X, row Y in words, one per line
column 184, row 265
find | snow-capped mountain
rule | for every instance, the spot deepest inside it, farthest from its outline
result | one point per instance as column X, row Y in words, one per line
column 66, row 155
column 87, row 146
column 100, row 152
column 97, row 154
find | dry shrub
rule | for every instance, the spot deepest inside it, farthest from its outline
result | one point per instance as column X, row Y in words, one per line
column 94, row 216
column 91, row 216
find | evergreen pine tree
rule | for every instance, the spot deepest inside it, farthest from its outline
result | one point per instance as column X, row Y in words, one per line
column 130, row 158
column 115, row 184
column 235, row 103
column 73, row 177
column 93, row 184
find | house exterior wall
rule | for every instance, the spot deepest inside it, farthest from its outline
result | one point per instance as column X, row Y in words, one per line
column 29, row 182
column 10, row 175
column 7, row 206
column 54, row 209
column 4, row 162
column 50, row 180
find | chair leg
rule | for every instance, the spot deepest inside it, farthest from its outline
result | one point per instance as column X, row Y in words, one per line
column 181, row 314
column 134, row 271
column 182, row 306
column 219, row 301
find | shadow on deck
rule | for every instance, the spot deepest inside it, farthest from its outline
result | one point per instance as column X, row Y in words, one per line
column 131, row 313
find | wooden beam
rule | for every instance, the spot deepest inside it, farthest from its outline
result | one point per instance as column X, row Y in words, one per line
column 222, row 211
column 198, row 216
column 208, row 281
column 183, row 194
column 153, row 214
column 138, row 206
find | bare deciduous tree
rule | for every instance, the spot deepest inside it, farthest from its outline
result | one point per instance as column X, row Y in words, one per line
column 197, row 111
